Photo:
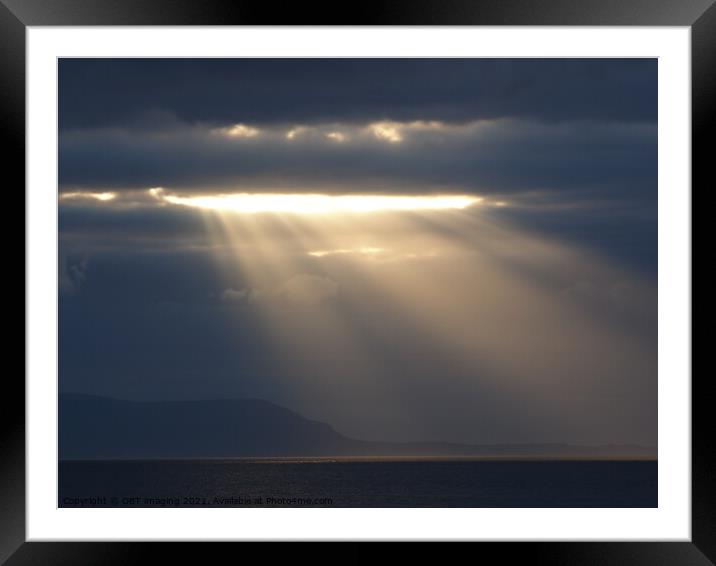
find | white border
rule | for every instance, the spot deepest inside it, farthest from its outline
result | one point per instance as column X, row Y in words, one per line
column 671, row 521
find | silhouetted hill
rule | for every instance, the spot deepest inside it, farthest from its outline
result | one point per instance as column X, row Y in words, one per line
column 96, row 427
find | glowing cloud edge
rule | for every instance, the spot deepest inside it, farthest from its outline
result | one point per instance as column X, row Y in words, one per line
column 247, row 203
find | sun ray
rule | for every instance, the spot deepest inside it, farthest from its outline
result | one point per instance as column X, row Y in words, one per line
column 468, row 286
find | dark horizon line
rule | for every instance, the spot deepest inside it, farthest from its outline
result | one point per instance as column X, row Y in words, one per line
column 369, row 459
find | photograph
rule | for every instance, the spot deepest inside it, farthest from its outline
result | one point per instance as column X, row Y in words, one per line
column 357, row 282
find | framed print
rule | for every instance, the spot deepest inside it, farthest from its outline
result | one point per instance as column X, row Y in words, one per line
column 424, row 275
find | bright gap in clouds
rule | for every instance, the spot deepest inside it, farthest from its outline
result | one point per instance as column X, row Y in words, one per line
column 316, row 203
column 88, row 196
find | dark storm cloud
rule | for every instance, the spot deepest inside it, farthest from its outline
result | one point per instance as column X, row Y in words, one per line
column 626, row 234
column 156, row 226
column 585, row 128
column 584, row 160
column 126, row 92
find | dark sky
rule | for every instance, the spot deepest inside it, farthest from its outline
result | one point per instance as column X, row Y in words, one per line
column 531, row 317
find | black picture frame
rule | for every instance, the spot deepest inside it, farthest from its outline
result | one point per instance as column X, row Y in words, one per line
column 16, row 15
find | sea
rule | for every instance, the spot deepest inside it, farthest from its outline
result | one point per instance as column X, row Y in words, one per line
column 349, row 482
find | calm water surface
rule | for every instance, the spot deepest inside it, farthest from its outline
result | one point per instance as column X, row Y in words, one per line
column 347, row 483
